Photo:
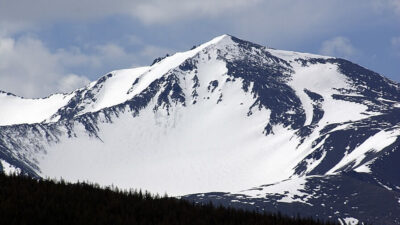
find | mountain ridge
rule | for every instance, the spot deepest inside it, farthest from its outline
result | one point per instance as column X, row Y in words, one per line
column 145, row 68
column 109, row 75
column 225, row 117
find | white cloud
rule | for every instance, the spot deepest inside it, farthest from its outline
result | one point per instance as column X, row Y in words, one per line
column 29, row 69
column 71, row 82
column 160, row 11
column 383, row 6
column 42, row 10
column 148, row 11
column 338, row 46
column 278, row 21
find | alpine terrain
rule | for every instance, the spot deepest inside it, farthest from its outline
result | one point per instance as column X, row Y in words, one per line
column 228, row 121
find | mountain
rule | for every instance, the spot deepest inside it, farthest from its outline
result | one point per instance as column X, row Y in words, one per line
column 238, row 123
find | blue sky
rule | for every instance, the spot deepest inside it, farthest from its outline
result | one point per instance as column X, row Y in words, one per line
column 49, row 46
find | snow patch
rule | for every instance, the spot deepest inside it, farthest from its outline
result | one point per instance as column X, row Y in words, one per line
column 291, row 189
column 115, row 89
column 290, row 56
column 9, row 169
column 348, row 221
column 363, row 169
column 375, row 143
column 324, row 79
column 17, row 110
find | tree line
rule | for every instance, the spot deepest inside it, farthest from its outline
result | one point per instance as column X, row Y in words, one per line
column 24, row 200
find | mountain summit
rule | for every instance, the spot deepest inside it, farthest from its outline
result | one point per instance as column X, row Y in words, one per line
column 259, row 128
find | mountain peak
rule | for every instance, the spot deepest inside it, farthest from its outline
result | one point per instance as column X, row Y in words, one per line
column 228, row 115
column 220, row 38
column 120, row 86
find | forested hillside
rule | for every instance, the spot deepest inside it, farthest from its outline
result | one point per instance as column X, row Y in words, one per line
column 24, row 200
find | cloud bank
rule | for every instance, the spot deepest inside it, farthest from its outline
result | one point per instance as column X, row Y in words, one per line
column 29, row 67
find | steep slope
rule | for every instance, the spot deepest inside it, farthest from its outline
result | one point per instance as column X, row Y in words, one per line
column 341, row 197
column 225, row 116
column 18, row 110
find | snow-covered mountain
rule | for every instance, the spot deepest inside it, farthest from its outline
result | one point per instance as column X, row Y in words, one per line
column 245, row 125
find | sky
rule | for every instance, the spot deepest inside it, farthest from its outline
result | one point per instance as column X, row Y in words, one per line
column 49, row 46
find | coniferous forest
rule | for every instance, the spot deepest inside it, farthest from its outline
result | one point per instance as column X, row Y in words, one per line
column 24, row 200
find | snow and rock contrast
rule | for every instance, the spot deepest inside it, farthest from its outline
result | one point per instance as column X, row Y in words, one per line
column 245, row 125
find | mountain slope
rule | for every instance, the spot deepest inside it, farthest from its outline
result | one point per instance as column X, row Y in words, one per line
column 342, row 197
column 226, row 116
